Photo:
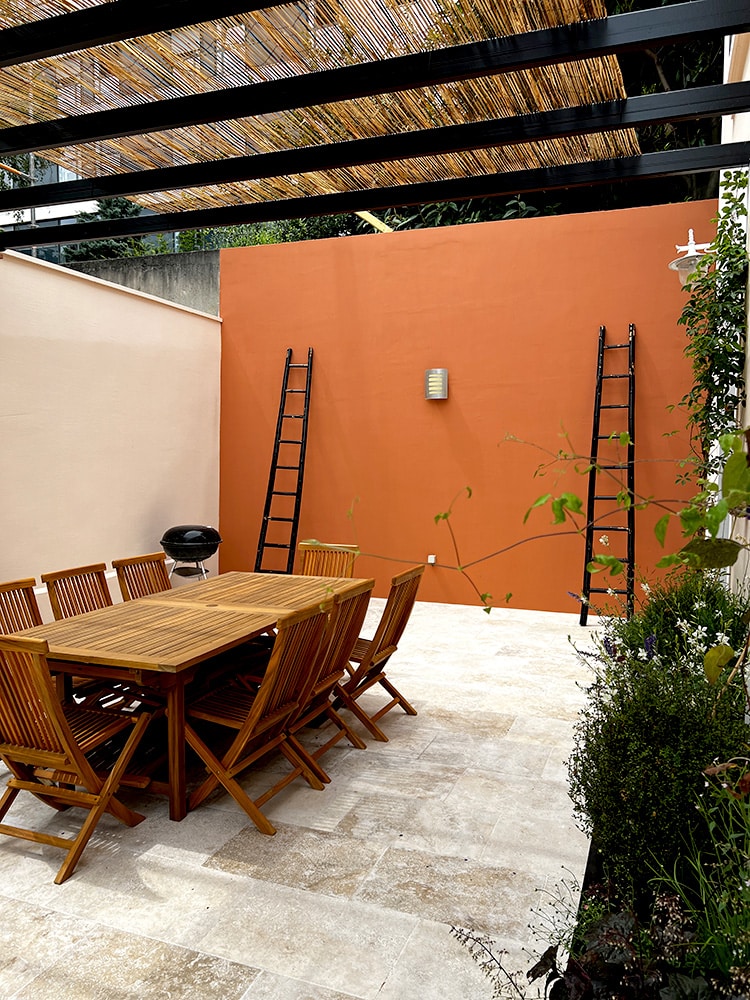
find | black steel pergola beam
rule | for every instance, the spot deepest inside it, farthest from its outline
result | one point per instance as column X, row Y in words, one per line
column 671, row 163
column 651, row 109
column 585, row 39
column 111, row 22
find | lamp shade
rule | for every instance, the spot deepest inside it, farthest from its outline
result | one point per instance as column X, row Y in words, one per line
column 689, row 262
column 436, row 383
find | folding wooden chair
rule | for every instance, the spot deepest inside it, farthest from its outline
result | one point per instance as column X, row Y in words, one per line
column 142, row 575
column 259, row 717
column 18, row 606
column 46, row 746
column 372, row 655
column 344, row 625
column 76, row 591
column 321, row 559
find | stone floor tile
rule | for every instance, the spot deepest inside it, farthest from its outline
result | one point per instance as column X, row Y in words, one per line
column 327, row 863
column 268, row 986
column 110, row 965
column 450, row 890
column 341, row 944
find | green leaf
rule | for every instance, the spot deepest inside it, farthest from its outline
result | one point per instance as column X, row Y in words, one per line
column 508, row 596
column 715, row 660
column 558, row 511
column 736, row 476
column 671, row 560
column 715, row 517
column 601, row 562
column 730, row 443
column 442, row 517
column 712, row 553
column 660, row 528
column 692, row 520
column 468, row 491
column 624, row 438
column 539, row 502
column 572, row 502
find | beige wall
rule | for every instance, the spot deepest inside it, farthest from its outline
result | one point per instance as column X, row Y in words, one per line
column 110, row 418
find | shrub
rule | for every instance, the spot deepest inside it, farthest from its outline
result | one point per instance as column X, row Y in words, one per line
column 652, row 723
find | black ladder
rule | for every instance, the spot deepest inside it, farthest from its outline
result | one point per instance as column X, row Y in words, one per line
column 278, row 531
column 611, row 479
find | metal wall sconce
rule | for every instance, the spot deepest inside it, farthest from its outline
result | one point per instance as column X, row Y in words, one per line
column 691, row 255
column 436, row 383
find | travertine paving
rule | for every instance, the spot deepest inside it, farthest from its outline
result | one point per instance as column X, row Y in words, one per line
column 461, row 818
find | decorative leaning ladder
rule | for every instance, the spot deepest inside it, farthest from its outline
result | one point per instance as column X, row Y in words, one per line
column 278, row 532
column 610, row 478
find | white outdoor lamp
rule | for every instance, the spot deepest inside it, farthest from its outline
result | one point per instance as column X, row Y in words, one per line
column 436, row 383
column 687, row 264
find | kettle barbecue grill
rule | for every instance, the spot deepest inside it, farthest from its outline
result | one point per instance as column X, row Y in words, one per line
column 189, row 545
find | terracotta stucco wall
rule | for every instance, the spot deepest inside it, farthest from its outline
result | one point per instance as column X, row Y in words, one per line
column 513, row 310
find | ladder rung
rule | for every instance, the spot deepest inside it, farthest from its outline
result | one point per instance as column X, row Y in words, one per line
column 287, row 519
column 615, row 347
column 292, row 416
column 606, row 590
column 295, row 390
column 289, row 468
column 624, row 465
column 605, row 496
column 613, row 406
column 298, row 365
column 274, row 545
column 283, row 493
column 609, row 527
column 625, row 375
column 288, row 441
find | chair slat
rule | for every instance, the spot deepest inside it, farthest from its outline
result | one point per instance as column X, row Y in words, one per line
column 324, row 559
column 18, row 606
column 75, row 591
column 139, row 576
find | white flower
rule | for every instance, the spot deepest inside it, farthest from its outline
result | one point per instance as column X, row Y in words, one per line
column 604, row 540
column 645, row 588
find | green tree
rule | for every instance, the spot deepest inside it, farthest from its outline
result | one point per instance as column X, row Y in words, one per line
column 107, row 208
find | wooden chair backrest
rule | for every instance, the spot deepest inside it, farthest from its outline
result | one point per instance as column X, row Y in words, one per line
column 296, row 651
column 396, row 613
column 342, row 631
column 322, row 559
column 33, row 727
column 75, row 591
column 142, row 575
column 18, row 606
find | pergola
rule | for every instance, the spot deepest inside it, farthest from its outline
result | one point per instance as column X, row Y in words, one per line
column 286, row 110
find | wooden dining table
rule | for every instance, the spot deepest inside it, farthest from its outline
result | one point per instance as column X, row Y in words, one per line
column 159, row 642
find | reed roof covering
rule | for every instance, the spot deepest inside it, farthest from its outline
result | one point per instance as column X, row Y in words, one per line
column 290, row 40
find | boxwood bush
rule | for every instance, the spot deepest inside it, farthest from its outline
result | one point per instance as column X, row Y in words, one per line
column 652, row 723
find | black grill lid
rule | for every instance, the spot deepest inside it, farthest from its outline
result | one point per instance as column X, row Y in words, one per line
column 190, row 541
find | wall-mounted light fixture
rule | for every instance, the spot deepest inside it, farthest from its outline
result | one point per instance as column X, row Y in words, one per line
column 687, row 264
column 436, row 383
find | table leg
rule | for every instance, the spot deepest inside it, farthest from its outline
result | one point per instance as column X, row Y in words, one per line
column 176, row 749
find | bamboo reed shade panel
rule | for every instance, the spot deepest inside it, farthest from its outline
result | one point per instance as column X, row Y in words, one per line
column 295, row 39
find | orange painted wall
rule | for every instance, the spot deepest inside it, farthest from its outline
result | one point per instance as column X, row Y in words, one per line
column 513, row 310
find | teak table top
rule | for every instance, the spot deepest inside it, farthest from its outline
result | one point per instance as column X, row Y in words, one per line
column 177, row 629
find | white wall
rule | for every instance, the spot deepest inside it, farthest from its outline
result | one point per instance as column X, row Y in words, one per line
column 109, row 402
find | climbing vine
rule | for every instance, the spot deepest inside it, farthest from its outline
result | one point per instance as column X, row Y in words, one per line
column 715, row 319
